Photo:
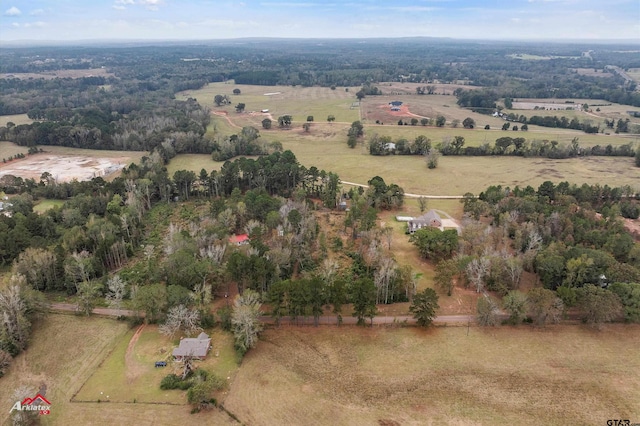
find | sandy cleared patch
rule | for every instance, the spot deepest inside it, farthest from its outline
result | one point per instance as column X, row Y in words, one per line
column 63, row 168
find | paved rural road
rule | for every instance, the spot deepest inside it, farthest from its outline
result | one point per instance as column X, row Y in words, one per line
column 323, row 320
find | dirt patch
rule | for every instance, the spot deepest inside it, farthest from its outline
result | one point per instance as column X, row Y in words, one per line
column 64, row 168
column 132, row 371
column 633, row 226
column 382, row 113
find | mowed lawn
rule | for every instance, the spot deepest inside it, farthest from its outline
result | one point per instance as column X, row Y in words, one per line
column 499, row 376
column 129, row 374
column 65, row 351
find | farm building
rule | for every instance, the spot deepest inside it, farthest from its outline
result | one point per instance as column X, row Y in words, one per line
column 239, row 240
column 196, row 347
column 429, row 219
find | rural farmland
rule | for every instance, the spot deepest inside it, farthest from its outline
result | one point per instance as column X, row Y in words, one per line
column 381, row 231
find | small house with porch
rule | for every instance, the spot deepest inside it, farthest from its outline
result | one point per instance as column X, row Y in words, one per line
column 195, row 347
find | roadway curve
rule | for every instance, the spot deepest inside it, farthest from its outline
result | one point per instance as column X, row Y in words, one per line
column 433, row 197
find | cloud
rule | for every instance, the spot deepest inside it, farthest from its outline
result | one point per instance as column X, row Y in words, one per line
column 12, row 11
column 37, row 12
column 121, row 4
column 150, row 4
column 15, row 25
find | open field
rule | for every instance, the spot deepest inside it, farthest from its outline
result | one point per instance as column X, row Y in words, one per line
column 66, row 164
column 525, row 376
column 455, row 175
column 299, row 102
column 591, row 72
column 16, row 119
column 634, row 73
column 9, row 149
column 65, row 351
column 44, row 205
column 48, row 75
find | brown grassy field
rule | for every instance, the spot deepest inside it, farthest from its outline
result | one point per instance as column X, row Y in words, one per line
column 9, row 149
column 65, row 351
column 455, row 175
column 500, row 376
column 16, row 119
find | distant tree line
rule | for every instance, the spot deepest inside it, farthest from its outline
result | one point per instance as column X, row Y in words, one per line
column 506, row 145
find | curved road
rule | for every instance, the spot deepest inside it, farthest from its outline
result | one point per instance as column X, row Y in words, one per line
column 433, row 197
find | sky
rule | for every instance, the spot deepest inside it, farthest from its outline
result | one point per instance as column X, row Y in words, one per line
column 69, row 20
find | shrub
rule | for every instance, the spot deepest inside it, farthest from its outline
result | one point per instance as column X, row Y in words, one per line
column 170, row 381
column 224, row 316
column 629, row 210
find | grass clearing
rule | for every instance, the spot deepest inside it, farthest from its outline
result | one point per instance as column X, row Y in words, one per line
column 128, row 376
column 349, row 376
column 44, row 205
column 9, row 149
column 299, row 102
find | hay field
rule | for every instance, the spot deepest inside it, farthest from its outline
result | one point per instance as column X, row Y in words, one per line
column 64, row 353
column 16, row 119
column 503, row 376
column 455, row 175
column 9, row 149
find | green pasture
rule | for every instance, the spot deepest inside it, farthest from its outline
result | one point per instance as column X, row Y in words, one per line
column 455, row 175
column 46, row 204
column 128, row 374
column 299, row 102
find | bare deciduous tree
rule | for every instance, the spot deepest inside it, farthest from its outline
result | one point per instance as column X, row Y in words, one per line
column 87, row 293
column 245, row 320
column 477, row 269
column 116, row 288
column 382, row 277
column 181, row 318
column 514, row 267
column 487, row 312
